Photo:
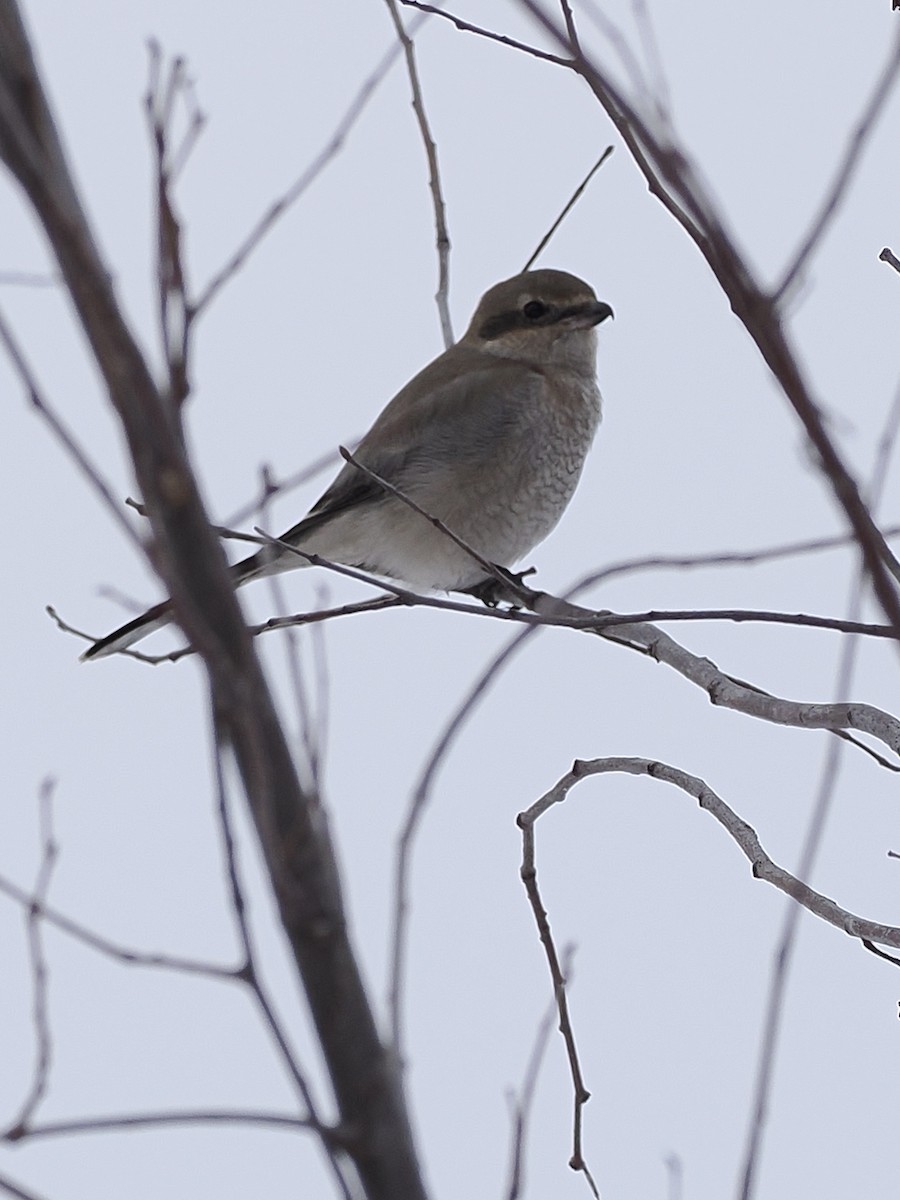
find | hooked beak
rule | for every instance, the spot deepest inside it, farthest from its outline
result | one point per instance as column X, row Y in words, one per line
column 583, row 316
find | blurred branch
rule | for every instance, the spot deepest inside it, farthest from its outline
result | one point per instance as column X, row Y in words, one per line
column 673, row 181
column 311, row 173
column 249, row 974
column 154, row 1120
column 856, row 144
column 442, row 236
column 295, row 841
column 39, row 976
column 175, row 312
column 62, row 434
column 522, row 1104
column 13, row 1189
column 783, row 954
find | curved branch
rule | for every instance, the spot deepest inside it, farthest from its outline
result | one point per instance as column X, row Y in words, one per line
column 744, row 835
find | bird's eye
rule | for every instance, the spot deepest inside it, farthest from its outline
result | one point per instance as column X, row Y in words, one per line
column 534, row 310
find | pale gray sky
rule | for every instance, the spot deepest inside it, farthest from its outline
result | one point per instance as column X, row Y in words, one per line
column 698, row 452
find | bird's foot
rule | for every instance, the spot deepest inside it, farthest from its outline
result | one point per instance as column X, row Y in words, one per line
column 504, row 588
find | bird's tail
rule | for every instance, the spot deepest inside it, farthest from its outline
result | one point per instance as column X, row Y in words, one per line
column 120, row 639
column 161, row 614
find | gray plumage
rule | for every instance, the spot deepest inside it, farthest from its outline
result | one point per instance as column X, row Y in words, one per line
column 490, row 438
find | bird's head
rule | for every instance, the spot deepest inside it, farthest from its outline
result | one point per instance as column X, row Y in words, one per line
column 539, row 317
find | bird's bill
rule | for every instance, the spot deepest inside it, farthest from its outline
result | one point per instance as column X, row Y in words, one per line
column 584, row 316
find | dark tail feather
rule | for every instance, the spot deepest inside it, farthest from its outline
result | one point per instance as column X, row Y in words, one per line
column 161, row 614
column 120, row 639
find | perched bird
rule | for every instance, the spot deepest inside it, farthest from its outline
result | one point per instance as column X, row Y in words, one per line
column 490, row 438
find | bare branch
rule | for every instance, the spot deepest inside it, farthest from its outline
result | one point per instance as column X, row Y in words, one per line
column 295, row 842
column 442, row 237
column 887, row 255
column 250, row 975
column 467, row 27
column 528, row 874
column 763, row 616
column 62, row 433
column 175, row 312
column 784, row 951
column 723, row 558
column 573, row 200
column 741, row 833
column 521, row 1105
column 14, row 1189
column 110, row 949
column 39, row 976
column 418, row 804
column 152, row 1120
column 674, row 182
column 843, row 177
column 329, row 151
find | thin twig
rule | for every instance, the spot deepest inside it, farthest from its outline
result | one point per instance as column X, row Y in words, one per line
column 175, row 311
column 581, row 1095
column 522, row 1105
column 16, row 1190
column 151, row 1120
column 676, row 184
column 291, row 651
column 723, row 558
column 856, row 143
column 784, row 951
column 576, row 195
column 887, row 255
column 619, row 43
column 442, row 236
column 328, row 152
column 764, row 616
column 675, row 1169
column 249, row 974
column 110, row 949
column 418, row 804
column 39, row 975
column 467, row 27
column 658, row 87
column 497, row 573
column 65, row 438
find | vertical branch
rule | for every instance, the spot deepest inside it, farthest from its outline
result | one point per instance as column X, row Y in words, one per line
column 442, row 237
column 175, row 310
column 528, row 873
column 672, row 180
column 293, row 834
column 33, row 917
column 784, row 951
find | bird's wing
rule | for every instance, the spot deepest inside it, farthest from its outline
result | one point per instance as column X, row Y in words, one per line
column 455, row 412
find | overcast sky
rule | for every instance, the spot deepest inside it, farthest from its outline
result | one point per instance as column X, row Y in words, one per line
column 698, row 452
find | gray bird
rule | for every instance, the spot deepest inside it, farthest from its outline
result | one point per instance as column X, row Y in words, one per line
column 490, row 438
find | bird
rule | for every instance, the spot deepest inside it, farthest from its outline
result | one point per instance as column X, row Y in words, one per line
column 490, row 438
